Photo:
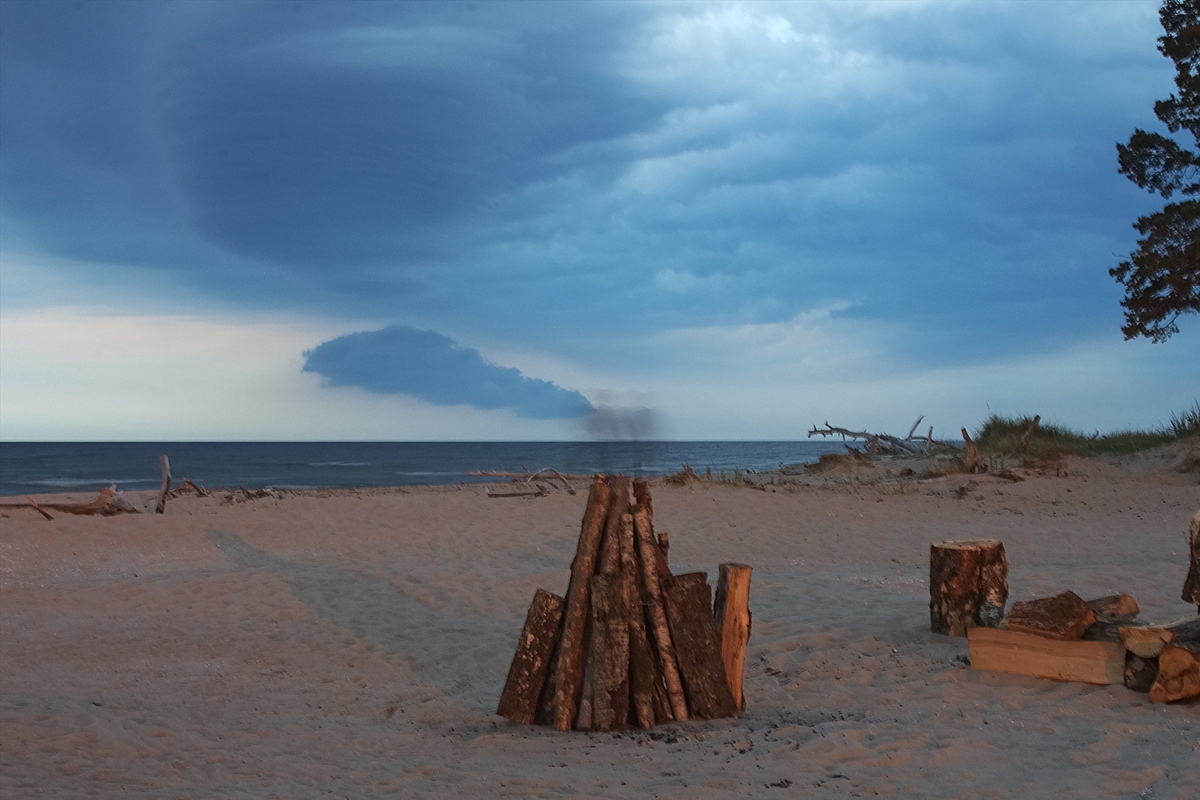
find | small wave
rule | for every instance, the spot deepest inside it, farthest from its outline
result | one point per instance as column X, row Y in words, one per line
column 64, row 483
column 340, row 464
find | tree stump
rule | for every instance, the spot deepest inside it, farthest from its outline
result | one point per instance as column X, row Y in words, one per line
column 968, row 585
column 1191, row 586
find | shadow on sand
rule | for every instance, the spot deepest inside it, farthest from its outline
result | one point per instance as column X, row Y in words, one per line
column 463, row 653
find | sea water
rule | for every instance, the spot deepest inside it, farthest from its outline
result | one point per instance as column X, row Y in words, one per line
column 48, row 467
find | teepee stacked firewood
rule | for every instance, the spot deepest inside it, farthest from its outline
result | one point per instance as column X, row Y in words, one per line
column 630, row 644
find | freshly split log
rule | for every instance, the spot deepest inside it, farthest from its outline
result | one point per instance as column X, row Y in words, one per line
column 1023, row 653
column 567, row 673
column 1064, row 616
column 694, row 634
column 656, row 613
column 1146, row 642
column 1191, row 585
column 731, row 612
column 165, row 491
column 968, row 585
column 610, row 653
column 531, row 663
column 1178, row 673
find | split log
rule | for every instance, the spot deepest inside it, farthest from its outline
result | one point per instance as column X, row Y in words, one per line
column 165, row 491
column 1117, row 607
column 697, row 646
column 531, row 662
column 610, row 653
column 974, row 461
column 567, row 674
column 1191, row 585
column 1178, row 673
column 968, row 585
column 1064, row 616
column 610, row 547
column 657, row 615
column 732, row 615
column 1140, row 672
column 1020, row 653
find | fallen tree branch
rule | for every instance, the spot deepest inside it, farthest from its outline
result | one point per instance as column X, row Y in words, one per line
column 529, row 477
column 38, row 508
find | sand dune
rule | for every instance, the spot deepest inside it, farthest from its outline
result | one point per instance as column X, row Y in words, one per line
column 355, row 645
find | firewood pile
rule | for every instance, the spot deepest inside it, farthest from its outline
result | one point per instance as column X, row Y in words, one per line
column 1063, row 637
column 631, row 644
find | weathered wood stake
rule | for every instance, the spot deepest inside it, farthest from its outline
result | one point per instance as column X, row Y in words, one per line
column 166, row 484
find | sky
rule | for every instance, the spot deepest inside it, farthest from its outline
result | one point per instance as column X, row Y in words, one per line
column 547, row 221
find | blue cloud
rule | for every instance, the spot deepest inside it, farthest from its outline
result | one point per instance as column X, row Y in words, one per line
column 433, row 367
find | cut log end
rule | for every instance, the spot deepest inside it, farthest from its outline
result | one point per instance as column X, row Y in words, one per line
column 968, row 585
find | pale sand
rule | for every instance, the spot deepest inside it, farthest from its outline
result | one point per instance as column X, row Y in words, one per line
column 356, row 645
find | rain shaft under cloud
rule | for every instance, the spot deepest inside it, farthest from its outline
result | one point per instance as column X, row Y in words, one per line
column 434, row 368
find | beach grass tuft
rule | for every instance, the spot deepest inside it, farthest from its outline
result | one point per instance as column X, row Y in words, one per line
column 1003, row 436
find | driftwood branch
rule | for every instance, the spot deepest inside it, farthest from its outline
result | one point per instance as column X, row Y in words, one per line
column 38, row 508
column 878, row 442
column 530, row 477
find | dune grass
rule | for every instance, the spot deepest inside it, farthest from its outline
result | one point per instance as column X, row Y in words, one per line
column 1002, row 436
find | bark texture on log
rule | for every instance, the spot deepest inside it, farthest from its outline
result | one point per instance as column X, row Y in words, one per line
column 1178, row 673
column 610, row 549
column 1119, row 607
column 610, row 637
column 1064, row 616
column 1029, row 654
column 1140, row 672
column 643, row 673
column 968, row 585
column 656, row 613
column 641, row 496
column 567, row 675
column 731, row 612
column 697, row 646
column 531, row 663
column 1191, row 585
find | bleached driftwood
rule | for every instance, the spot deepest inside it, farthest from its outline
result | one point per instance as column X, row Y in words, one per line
column 106, row 504
column 530, row 477
column 881, row 442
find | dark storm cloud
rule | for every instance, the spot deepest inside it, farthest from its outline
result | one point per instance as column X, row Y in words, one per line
column 603, row 168
column 433, row 367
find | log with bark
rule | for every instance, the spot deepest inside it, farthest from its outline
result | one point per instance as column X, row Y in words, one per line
column 697, row 646
column 531, row 663
column 630, row 644
column 968, row 585
column 1064, row 616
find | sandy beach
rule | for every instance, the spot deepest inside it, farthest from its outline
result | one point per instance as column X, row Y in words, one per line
column 354, row 645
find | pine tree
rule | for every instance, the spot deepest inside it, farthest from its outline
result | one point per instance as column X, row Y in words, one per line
column 1162, row 277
